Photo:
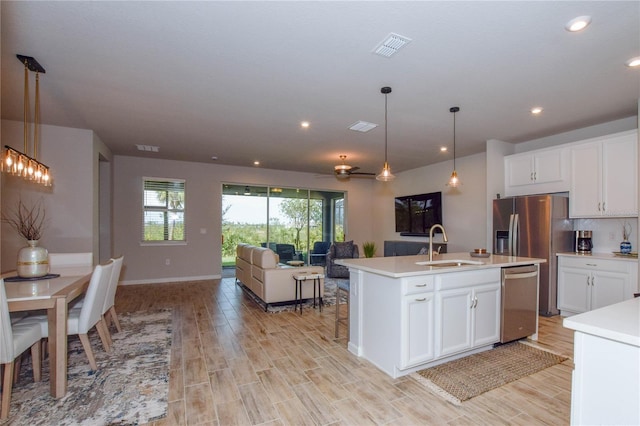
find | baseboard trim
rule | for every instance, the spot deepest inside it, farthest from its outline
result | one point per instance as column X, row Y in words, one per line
column 171, row 280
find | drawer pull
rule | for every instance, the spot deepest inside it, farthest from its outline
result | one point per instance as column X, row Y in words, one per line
column 592, row 264
column 422, row 299
column 421, row 285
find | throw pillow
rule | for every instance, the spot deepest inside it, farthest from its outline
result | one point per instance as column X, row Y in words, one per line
column 344, row 250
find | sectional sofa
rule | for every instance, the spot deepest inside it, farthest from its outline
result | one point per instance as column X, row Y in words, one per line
column 258, row 270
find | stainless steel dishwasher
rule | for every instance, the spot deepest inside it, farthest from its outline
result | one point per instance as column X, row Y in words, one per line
column 519, row 302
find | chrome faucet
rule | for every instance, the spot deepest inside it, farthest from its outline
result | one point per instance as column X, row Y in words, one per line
column 444, row 238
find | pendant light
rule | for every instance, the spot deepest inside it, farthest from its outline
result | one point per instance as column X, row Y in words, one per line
column 18, row 163
column 454, row 181
column 385, row 175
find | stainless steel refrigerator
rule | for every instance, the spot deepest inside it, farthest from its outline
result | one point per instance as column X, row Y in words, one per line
column 535, row 226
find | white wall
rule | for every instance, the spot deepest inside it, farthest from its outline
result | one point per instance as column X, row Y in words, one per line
column 201, row 256
column 464, row 210
column 69, row 202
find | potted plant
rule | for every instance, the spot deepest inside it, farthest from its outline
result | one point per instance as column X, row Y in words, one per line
column 369, row 248
column 29, row 222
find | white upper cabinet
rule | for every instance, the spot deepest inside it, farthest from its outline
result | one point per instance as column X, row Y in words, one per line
column 604, row 177
column 536, row 172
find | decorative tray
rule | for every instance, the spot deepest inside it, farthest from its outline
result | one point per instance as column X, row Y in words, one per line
column 633, row 254
column 295, row 263
column 474, row 254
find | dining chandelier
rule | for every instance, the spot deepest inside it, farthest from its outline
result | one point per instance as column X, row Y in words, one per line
column 22, row 164
column 385, row 175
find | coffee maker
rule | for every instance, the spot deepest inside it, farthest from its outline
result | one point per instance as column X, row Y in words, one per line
column 584, row 243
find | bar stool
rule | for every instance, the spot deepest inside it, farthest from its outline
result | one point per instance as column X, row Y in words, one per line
column 300, row 278
column 344, row 288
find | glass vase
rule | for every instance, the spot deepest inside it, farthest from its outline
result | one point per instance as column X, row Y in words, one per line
column 33, row 261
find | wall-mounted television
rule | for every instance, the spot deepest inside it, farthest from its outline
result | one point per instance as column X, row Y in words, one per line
column 415, row 214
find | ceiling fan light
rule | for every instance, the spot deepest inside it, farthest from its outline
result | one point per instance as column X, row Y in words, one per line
column 385, row 175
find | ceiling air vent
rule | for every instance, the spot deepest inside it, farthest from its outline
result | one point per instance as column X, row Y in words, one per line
column 150, row 148
column 391, row 45
column 362, row 126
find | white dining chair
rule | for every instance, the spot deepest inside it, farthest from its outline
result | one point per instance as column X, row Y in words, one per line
column 14, row 340
column 109, row 308
column 80, row 321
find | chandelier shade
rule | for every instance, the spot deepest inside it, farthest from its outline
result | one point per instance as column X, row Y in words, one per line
column 23, row 164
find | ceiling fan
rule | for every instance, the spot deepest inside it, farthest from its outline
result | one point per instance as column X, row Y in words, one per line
column 344, row 171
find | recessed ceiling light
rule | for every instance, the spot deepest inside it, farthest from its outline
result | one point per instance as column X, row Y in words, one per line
column 536, row 110
column 633, row 62
column 305, row 124
column 256, row 163
column 443, row 149
column 577, row 24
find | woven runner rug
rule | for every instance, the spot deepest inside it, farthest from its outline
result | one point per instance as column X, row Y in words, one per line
column 467, row 377
column 130, row 387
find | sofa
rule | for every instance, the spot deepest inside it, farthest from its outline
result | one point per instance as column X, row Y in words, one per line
column 258, row 270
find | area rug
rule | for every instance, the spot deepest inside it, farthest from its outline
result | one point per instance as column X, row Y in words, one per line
column 329, row 298
column 465, row 378
column 130, row 387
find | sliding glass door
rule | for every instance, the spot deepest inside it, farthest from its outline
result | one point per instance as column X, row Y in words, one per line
column 287, row 220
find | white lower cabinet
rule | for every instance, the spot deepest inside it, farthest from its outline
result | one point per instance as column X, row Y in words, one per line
column 417, row 326
column 467, row 311
column 591, row 283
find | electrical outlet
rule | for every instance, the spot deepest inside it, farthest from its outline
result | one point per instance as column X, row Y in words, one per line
column 167, row 261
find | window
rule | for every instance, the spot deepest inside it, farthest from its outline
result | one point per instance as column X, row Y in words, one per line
column 163, row 210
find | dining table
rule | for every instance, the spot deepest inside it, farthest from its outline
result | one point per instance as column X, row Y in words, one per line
column 54, row 295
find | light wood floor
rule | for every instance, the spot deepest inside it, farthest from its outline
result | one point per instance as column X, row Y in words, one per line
column 232, row 363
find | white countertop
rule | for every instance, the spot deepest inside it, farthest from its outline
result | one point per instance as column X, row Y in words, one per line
column 619, row 322
column 600, row 255
column 405, row 266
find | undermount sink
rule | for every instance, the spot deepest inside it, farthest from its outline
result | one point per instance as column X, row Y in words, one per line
column 450, row 263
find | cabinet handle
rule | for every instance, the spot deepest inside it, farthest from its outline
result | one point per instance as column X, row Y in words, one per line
column 591, row 264
column 422, row 299
column 593, row 280
column 599, row 207
column 604, row 207
column 532, row 177
column 535, row 176
column 421, row 285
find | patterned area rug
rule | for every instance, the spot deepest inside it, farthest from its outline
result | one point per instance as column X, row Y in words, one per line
column 465, row 378
column 329, row 298
column 130, row 387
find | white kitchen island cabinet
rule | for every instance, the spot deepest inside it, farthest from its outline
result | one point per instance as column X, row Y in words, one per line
column 468, row 310
column 405, row 317
column 605, row 387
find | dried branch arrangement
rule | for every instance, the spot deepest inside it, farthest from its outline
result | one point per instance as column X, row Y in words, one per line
column 29, row 221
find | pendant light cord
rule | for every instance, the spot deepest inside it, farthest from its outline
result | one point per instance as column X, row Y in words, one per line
column 385, row 128
column 454, row 140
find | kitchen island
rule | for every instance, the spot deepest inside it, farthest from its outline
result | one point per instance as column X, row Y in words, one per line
column 407, row 313
column 605, row 386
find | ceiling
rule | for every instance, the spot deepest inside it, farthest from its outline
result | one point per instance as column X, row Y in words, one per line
column 235, row 79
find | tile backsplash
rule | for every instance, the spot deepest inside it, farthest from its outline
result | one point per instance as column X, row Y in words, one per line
column 607, row 232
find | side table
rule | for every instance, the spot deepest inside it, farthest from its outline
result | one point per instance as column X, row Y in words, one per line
column 299, row 279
